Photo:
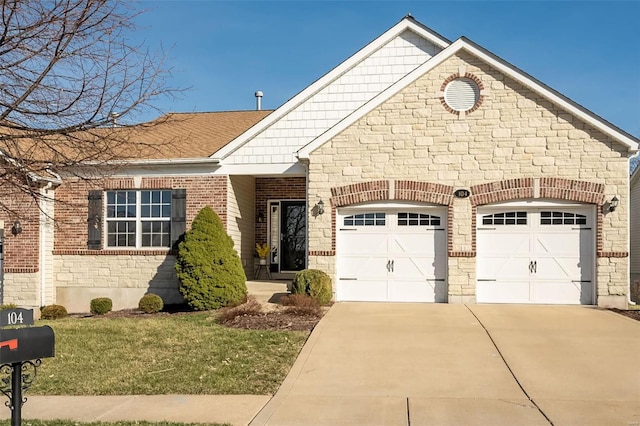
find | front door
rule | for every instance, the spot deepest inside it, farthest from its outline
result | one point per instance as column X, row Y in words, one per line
column 288, row 235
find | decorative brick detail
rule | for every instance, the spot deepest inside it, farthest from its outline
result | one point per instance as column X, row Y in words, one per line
column 360, row 193
column 115, row 252
column 455, row 76
column 618, row 254
column 462, row 254
column 322, row 253
column 425, row 192
column 572, row 190
column 495, row 192
column 30, row 270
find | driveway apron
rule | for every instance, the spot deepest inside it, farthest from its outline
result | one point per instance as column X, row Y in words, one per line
column 579, row 364
column 399, row 364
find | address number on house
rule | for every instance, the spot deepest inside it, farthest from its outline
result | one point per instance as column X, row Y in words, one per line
column 9, row 317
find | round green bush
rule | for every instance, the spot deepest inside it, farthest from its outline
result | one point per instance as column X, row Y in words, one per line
column 150, row 303
column 208, row 267
column 8, row 306
column 52, row 312
column 101, row 305
column 314, row 283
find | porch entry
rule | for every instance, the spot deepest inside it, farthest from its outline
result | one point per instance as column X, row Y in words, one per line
column 288, row 235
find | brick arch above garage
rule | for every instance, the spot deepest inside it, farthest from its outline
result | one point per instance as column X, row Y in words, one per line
column 385, row 190
column 543, row 188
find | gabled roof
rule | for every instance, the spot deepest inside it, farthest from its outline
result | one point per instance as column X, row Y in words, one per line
column 464, row 44
column 407, row 23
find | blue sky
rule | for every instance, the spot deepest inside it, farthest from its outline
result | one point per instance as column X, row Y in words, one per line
column 224, row 51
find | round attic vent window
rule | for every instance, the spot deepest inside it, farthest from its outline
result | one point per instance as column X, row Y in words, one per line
column 462, row 94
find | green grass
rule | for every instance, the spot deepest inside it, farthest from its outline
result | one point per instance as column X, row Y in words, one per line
column 177, row 354
column 74, row 423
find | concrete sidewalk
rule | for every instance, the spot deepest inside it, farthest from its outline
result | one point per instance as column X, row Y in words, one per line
column 233, row 409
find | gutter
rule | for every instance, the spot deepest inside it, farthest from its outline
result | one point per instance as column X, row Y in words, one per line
column 159, row 162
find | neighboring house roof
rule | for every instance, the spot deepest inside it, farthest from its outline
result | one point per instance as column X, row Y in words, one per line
column 635, row 177
column 464, row 44
column 330, row 99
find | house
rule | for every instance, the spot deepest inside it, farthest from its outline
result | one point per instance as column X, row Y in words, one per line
column 634, row 230
column 418, row 170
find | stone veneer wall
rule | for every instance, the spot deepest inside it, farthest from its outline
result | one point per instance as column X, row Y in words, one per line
column 514, row 134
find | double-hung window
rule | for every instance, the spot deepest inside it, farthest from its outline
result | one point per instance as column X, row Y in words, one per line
column 138, row 218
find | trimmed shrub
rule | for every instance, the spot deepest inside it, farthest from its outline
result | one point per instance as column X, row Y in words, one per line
column 209, row 269
column 314, row 283
column 101, row 305
column 52, row 312
column 250, row 307
column 8, row 306
column 150, row 303
column 301, row 304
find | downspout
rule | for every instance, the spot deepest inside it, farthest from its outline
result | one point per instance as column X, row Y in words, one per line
column 629, row 301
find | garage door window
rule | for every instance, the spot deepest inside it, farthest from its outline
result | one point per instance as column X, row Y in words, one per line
column 562, row 218
column 417, row 219
column 506, row 218
column 366, row 219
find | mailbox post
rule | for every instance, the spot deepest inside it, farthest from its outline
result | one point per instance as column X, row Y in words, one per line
column 21, row 350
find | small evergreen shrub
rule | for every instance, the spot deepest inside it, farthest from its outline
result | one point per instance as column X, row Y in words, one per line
column 301, row 304
column 314, row 283
column 250, row 307
column 101, row 305
column 150, row 303
column 208, row 267
column 52, row 312
column 8, row 306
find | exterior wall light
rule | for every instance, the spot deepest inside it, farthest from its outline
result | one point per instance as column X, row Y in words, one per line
column 260, row 217
column 613, row 204
column 320, row 207
column 16, row 228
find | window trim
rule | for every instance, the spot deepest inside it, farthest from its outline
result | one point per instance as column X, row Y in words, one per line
column 138, row 219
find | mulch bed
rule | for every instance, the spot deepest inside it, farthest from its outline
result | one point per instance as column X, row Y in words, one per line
column 276, row 320
column 634, row 314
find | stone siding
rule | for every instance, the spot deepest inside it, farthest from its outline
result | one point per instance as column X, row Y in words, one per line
column 514, row 134
column 123, row 278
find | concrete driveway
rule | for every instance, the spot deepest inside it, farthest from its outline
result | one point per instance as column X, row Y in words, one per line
column 437, row 364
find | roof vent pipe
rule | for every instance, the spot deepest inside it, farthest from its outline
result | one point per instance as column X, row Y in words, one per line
column 258, row 100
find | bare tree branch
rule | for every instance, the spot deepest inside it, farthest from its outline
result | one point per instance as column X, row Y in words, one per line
column 66, row 67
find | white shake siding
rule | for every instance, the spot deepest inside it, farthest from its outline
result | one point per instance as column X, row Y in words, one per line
column 240, row 218
column 331, row 104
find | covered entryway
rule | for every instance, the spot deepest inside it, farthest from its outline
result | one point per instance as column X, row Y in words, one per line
column 535, row 253
column 391, row 253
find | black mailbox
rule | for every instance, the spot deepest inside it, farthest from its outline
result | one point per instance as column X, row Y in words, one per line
column 23, row 344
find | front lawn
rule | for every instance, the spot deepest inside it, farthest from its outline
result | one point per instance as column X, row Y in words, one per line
column 173, row 354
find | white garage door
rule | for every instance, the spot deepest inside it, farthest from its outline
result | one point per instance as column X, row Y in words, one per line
column 535, row 255
column 391, row 255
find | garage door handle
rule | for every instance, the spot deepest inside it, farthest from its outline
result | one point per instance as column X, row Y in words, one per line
column 533, row 266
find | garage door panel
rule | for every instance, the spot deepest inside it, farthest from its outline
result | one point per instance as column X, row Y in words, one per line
column 549, row 258
column 503, row 268
column 415, row 291
column 509, row 242
column 400, row 259
column 563, row 292
column 363, row 291
column 503, row 292
column 365, row 243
